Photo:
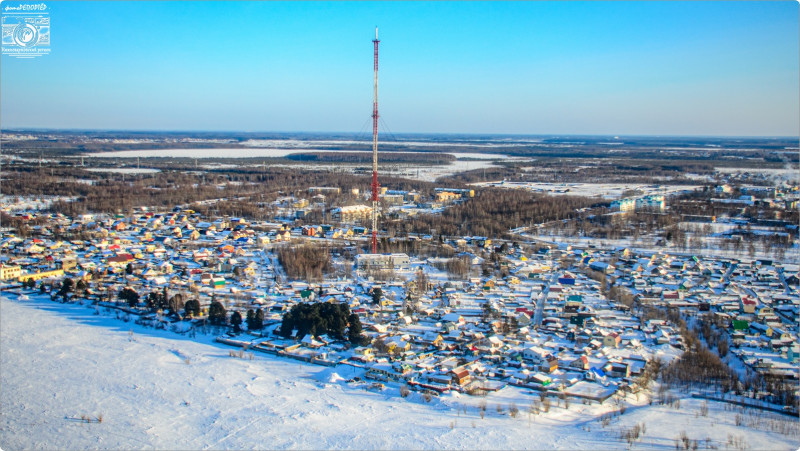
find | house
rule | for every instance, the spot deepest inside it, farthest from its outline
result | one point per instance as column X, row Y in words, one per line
column 460, row 376
column 661, row 337
column 309, row 342
column 534, row 353
column 602, row 267
column 618, row 369
column 453, row 318
column 397, row 345
column 494, row 342
column 612, row 340
column 581, row 363
column 541, row 379
column 793, row 354
column 747, row 304
column 549, row 365
column 363, row 354
column 431, row 339
column 740, row 325
column 119, row 260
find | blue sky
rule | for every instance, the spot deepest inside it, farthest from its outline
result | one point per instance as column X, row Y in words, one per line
column 618, row 68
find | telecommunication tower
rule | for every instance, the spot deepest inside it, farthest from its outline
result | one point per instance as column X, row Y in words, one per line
column 375, row 151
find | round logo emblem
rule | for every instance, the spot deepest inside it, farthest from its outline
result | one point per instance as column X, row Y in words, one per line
column 26, row 35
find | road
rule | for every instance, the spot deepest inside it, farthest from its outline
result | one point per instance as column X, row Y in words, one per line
column 539, row 315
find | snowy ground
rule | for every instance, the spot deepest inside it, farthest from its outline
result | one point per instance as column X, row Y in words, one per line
column 604, row 190
column 155, row 389
column 417, row 171
column 711, row 245
column 29, row 203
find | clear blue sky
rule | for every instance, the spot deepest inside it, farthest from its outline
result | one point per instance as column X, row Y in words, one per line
column 662, row 68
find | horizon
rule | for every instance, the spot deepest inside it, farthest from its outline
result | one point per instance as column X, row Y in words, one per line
column 368, row 137
column 666, row 69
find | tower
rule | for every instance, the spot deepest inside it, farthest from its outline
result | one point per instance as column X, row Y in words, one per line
column 375, row 151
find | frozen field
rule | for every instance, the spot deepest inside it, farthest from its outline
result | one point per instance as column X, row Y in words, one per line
column 419, row 171
column 155, row 389
column 604, row 190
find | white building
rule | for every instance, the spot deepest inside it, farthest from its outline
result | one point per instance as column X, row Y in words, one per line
column 623, row 205
column 352, row 213
column 383, row 262
column 652, row 202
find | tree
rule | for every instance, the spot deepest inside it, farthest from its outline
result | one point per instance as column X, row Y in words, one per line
column 287, row 325
column 152, row 300
column 129, row 268
column 29, row 283
column 377, row 293
column 354, row 330
column 238, row 272
column 81, row 287
column 420, row 282
column 259, row 322
column 192, row 307
column 130, row 296
column 250, row 319
column 67, row 285
column 236, row 321
column 158, row 300
column 316, row 319
column 176, row 302
column 217, row 314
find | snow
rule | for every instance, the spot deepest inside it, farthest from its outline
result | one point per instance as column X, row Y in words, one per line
column 158, row 389
column 125, row 170
column 604, row 190
column 329, row 376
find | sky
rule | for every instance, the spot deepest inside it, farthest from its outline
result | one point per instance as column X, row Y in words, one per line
column 611, row 68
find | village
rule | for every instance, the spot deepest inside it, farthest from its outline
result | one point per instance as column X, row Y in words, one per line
column 581, row 323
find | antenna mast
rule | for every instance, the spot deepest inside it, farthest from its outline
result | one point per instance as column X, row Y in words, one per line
column 375, row 151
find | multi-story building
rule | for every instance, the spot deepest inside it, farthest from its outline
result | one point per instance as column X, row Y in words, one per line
column 383, row 262
column 352, row 213
column 10, row 272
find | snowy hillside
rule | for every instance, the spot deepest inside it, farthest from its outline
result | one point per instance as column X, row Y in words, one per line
column 155, row 389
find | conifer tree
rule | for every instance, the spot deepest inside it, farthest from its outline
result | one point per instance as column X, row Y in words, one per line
column 236, row 321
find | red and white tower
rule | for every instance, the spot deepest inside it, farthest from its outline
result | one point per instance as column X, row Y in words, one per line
column 375, row 151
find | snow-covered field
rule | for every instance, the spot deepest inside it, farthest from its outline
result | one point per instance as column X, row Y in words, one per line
column 604, row 190
column 156, row 389
column 14, row 203
column 418, row 171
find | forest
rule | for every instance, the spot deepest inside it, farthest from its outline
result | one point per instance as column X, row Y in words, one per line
column 492, row 212
column 238, row 192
